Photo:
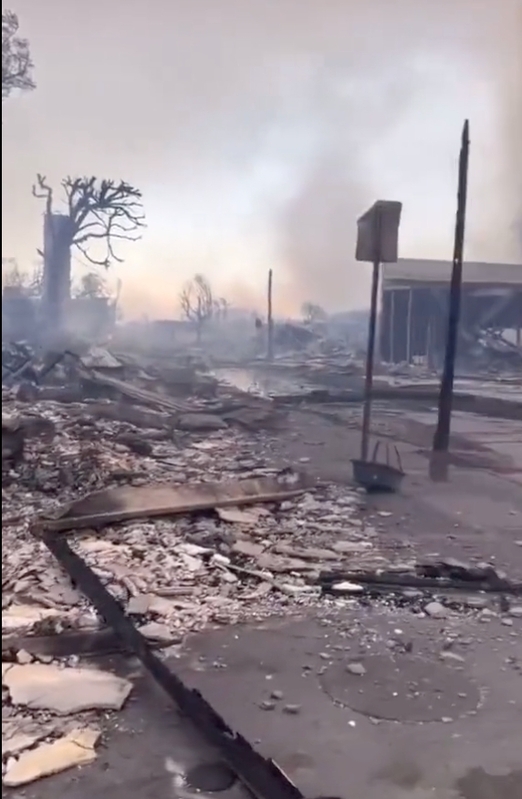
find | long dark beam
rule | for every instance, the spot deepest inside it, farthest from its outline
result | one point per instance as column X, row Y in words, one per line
column 261, row 776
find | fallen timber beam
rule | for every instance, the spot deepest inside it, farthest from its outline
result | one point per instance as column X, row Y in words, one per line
column 261, row 776
column 84, row 643
column 395, row 581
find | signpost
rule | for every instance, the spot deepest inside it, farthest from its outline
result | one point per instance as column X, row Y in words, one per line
column 377, row 242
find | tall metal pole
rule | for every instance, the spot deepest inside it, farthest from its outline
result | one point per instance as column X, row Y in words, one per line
column 367, row 408
column 270, row 321
column 442, row 434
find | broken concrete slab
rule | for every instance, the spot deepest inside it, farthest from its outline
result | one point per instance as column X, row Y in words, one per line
column 18, row 741
column 64, row 690
column 74, row 749
column 21, row 618
column 158, row 633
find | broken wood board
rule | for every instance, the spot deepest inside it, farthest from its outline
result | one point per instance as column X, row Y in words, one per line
column 121, row 412
column 143, row 502
column 139, row 395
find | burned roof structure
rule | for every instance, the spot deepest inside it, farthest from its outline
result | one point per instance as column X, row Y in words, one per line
column 414, row 314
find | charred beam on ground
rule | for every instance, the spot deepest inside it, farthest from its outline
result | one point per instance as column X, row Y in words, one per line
column 263, row 777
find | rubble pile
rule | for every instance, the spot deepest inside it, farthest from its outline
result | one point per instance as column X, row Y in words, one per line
column 81, row 429
column 51, row 716
column 211, row 563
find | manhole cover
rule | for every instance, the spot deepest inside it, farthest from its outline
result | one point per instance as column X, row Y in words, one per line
column 211, row 777
column 402, row 689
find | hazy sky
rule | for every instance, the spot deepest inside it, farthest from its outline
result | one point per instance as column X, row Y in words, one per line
column 258, row 130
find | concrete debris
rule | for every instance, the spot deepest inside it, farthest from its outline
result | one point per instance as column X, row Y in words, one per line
column 23, row 657
column 21, row 618
column 199, row 529
column 16, row 742
column 436, row 610
column 247, row 516
column 356, row 668
column 75, row 749
column 267, row 704
column 64, row 690
column 154, row 631
column 450, row 656
column 347, row 587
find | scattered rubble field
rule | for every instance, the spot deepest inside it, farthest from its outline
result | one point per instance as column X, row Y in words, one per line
column 162, row 480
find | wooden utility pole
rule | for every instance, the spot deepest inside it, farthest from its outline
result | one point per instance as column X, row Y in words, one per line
column 442, row 434
column 270, row 321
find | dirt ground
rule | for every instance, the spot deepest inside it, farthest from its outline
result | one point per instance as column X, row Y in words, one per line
column 435, row 709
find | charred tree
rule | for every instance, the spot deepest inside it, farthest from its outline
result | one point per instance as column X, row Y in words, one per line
column 17, row 66
column 98, row 215
column 197, row 303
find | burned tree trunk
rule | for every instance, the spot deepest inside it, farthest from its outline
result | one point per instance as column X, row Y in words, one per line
column 56, row 292
column 99, row 213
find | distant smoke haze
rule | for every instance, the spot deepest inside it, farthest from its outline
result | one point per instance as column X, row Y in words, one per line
column 259, row 130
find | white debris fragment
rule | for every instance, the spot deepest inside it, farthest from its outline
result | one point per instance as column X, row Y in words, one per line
column 247, row 516
column 346, row 587
column 356, row 668
column 74, row 749
column 64, row 690
column 436, row 610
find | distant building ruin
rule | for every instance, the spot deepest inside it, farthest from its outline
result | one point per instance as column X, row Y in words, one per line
column 24, row 317
column 414, row 304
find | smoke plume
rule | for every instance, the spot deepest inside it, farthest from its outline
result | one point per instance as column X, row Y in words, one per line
column 259, row 130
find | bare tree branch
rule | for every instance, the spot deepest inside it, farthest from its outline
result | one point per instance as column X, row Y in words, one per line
column 44, row 191
column 17, row 65
column 92, row 285
column 99, row 211
column 313, row 313
column 103, row 211
column 197, row 302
